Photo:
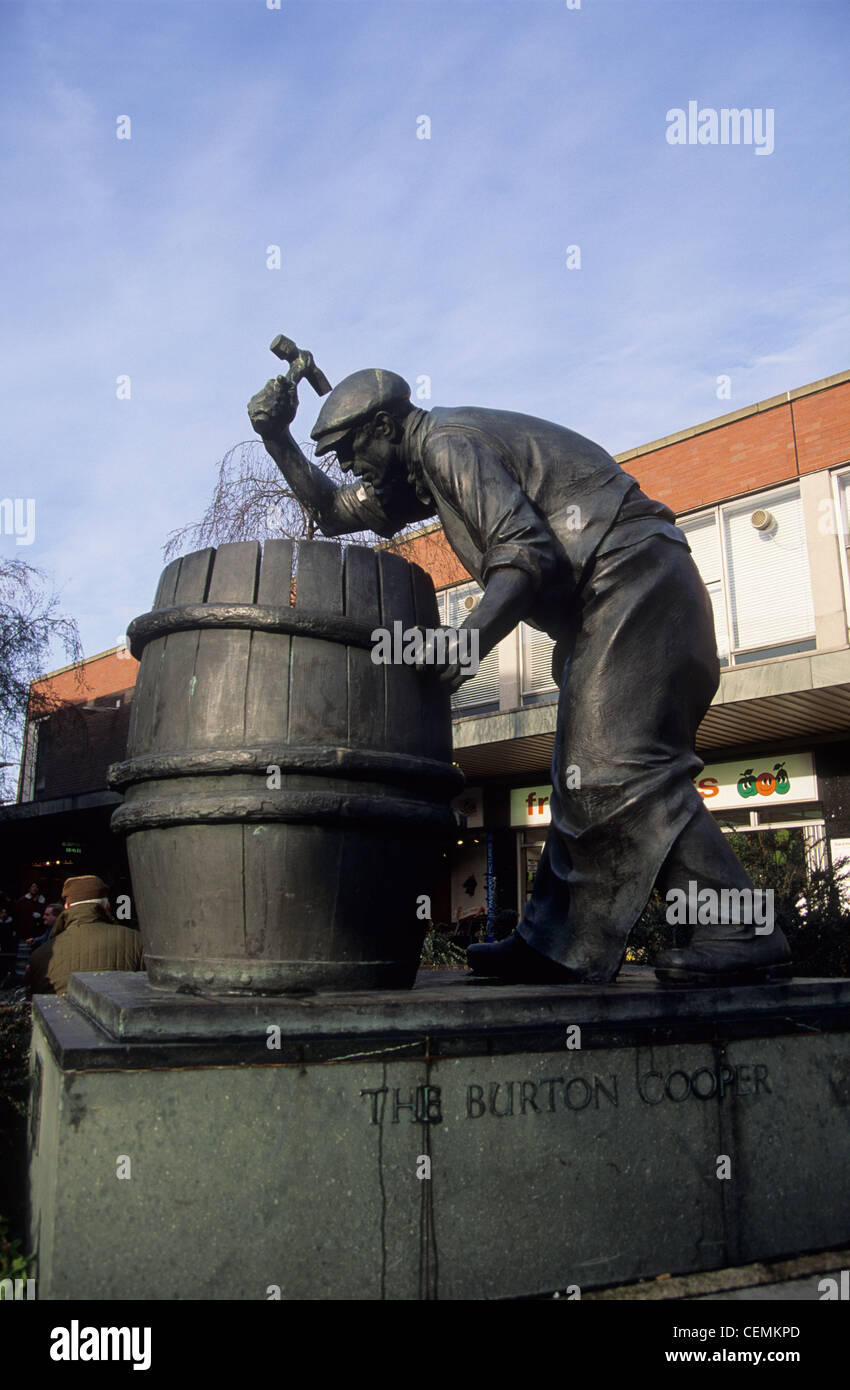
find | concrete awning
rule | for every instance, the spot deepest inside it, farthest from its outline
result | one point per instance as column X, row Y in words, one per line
column 787, row 699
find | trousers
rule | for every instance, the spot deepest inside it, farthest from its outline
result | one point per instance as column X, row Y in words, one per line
column 637, row 671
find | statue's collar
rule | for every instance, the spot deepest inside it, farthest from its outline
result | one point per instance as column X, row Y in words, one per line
column 416, row 427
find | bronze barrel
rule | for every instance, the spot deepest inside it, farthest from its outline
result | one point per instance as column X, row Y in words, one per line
column 286, row 800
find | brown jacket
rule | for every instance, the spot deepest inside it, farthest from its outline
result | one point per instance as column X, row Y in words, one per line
column 85, row 937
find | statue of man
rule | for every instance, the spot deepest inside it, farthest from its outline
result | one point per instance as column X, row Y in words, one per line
column 560, row 536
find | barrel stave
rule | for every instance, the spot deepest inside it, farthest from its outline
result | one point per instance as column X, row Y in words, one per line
column 318, row 680
column 402, row 680
column 215, row 693
column 171, row 698
column 366, row 679
column 267, row 685
column 143, row 711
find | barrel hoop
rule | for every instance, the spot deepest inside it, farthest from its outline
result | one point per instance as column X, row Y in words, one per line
column 257, row 617
column 315, row 807
column 324, row 760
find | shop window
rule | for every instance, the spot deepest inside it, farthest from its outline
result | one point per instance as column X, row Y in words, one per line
column 801, row 814
column 753, row 559
column 734, row 820
column 455, row 606
column 781, row 815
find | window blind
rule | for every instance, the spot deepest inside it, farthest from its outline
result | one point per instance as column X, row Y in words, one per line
column 703, row 537
column 537, row 648
column 770, row 589
column 483, row 688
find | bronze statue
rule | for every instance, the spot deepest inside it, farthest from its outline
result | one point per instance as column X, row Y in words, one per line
column 560, row 536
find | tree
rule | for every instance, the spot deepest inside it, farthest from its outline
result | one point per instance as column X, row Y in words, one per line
column 30, row 627
column 251, row 502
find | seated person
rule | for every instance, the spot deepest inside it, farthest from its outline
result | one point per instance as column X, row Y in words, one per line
column 51, row 912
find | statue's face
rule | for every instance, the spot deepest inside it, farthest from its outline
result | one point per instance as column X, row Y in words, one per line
column 372, row 453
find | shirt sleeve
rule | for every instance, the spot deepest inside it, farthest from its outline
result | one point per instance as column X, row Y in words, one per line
column 465, row 469
column 355, row 507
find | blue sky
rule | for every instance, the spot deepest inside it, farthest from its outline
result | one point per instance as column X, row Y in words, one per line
column 443, row 257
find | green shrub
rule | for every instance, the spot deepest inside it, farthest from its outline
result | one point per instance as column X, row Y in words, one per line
column 13, row 1264
column 15, row 1029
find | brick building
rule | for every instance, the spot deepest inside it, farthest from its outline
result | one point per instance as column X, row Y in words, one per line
column 60, row 822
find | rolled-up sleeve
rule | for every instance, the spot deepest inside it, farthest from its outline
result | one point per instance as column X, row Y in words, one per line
column 469, row 477
column 354, row 508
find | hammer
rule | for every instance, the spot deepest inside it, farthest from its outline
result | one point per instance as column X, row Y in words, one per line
column 301, row 364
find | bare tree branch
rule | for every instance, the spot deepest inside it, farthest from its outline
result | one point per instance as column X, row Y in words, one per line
column 30, row 625
column 251, row 502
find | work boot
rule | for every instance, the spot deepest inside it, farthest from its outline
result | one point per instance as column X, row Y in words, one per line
column 728, row 958
column 515, row 962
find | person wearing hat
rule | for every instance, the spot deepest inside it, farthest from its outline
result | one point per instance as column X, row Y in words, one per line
column 559, row 536
column 85, row 937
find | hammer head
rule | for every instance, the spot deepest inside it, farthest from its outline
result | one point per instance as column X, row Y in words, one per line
column 301, row 364
column 284, row 348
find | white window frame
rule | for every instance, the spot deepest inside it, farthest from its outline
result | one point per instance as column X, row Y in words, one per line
column 738, row 655
column 841, row 476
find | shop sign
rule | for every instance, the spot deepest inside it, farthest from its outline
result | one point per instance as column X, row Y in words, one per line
column 752, row 783
column 758, row 782
column 530, row 806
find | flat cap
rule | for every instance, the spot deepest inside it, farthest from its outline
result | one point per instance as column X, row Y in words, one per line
column 351, row 402
column 85, row 888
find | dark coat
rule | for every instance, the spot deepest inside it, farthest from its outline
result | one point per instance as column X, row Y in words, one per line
column 28, row 913
column 86, row 937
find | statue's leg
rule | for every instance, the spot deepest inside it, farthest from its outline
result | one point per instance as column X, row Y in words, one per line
column 732, row 933
column 641, row 674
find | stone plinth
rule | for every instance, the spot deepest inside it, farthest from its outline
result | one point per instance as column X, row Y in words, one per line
column 193, row 1148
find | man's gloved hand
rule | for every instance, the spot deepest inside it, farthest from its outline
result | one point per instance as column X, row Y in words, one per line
column 454, row 676
column 441, row 649
column 273, row 409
